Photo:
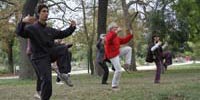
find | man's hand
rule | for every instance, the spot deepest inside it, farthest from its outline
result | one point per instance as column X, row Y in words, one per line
column 159, row 43
column 69, row 45
column 102, row 36
column 118, row 30
column 72, row 23
column 129, row 31
column 29, row 19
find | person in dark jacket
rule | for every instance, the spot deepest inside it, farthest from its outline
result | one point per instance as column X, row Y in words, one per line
column 58, row 80
column 101, row 60
column 69, row 58
column 43, row 48
column 159, row 56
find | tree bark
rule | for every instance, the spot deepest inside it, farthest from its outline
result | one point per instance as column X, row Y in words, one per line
column 10, row 57
column 128, row 24
column 26, row 69
column 89, row 42
column 102, row 17
column 101, row 26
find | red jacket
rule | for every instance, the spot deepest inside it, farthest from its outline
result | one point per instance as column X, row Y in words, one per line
column 113, row 42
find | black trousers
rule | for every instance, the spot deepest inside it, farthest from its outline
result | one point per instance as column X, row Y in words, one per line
column 106, row 72
column 68, row 67
column 42, row 68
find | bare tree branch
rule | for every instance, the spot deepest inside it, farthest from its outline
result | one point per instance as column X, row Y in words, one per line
column 8, row 2
column 135, row 2
column 130, row 3
column 42, row 1
column 58, row 3
column 84, row 21
column 61, row 19
column 134, row 16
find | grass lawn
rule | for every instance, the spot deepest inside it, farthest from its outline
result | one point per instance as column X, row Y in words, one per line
column 178, row 83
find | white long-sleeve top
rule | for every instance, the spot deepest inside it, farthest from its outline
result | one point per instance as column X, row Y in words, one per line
column 155, row 46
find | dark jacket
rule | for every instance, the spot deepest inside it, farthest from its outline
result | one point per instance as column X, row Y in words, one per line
column 158, row 53
column 154, row 55
column 41, row 37
column 150, row 56
column 100, row 51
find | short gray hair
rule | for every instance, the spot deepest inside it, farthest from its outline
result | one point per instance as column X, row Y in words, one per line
column 111, row 25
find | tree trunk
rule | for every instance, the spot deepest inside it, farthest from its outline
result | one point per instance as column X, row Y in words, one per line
column 92, row 39
column 101, row 26
column 91, row 60
column 102, row 17
column 128, row 24
column 10, row 57
column 89, row 42
column 26, row 69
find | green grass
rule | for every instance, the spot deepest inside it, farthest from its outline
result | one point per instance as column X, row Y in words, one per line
column 178, row 83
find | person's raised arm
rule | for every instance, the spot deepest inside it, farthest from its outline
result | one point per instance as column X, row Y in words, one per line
column 156, row 46
column 124, row 40
column 21, row 26
column 58, row 34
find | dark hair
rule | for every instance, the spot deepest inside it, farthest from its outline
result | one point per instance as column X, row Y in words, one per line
column 154, row 33
column 40, row 7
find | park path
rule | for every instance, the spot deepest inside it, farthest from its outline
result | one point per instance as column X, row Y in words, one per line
column 139, row 68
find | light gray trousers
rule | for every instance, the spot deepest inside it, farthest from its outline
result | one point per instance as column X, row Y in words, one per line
column 124, row 51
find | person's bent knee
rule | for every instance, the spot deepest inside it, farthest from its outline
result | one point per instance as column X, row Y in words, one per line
column 128, row 48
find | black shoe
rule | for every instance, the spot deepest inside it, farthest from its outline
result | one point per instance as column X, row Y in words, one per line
column 104, row 83
column 113, row 68
column 66, row 78
column 157, row 81
column 165, row 66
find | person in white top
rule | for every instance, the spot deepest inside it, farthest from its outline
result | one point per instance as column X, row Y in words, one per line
column 161, row 59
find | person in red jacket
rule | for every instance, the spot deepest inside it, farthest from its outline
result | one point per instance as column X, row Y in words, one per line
column 113, row 51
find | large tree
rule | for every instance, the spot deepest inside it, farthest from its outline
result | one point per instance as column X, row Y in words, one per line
column 129, row 18
column 188, row 25
column 26, row 69
column 90, row 35
column 101, row 25
column 102, row 17
column 9, row 12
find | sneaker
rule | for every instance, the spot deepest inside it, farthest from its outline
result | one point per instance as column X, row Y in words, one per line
column 37, row 95
column 59, row 83
column 115, row 88
column 125, row 66
column 66, row 78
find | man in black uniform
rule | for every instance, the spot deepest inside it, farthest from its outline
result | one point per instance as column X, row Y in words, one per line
column 44, row 50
